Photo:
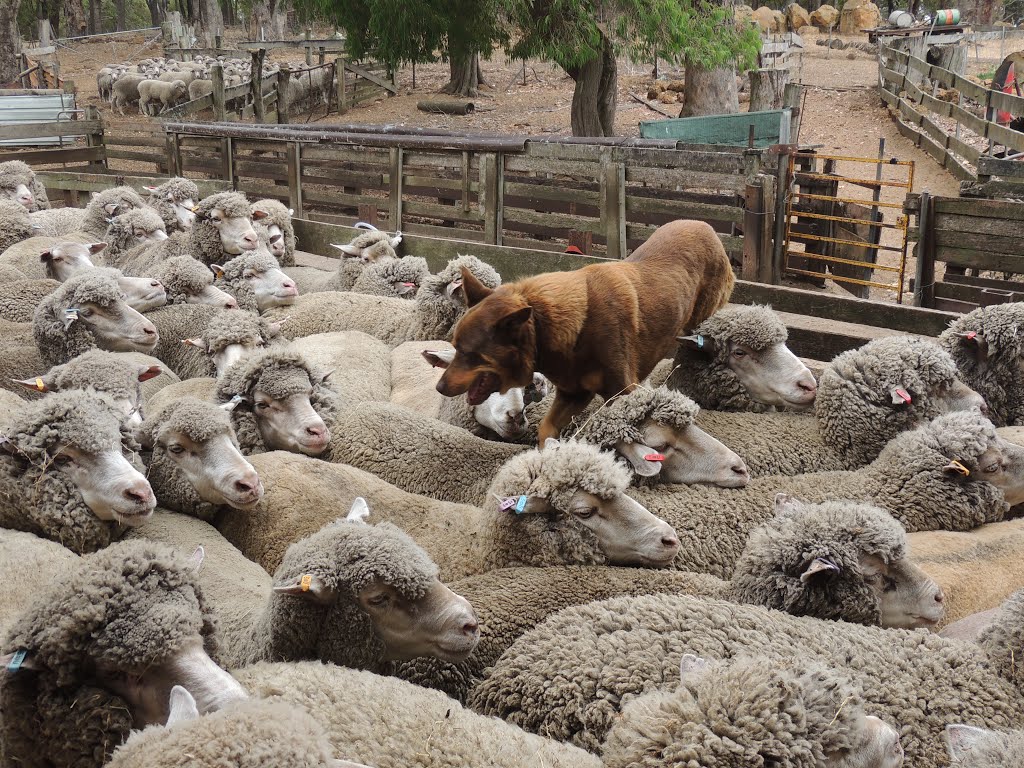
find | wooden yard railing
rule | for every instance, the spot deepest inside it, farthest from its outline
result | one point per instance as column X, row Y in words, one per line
column 950, row 131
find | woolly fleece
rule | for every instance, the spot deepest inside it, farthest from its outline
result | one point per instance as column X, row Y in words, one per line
column 234, row 282
column 360, row 364
column 379, row 279
column 277, row 213
column 90, row 222
column 58, row 344
column 19, row 299
column 181, row 189
column 120, row 234
column 184, row 321
column 27, row 559
column 14, row 172
column 183, row 277
column 15, row 223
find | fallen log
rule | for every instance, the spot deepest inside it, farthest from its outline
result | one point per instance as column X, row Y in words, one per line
column 446, row 106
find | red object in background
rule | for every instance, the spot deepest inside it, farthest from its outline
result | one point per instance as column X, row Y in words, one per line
column 1004, row 118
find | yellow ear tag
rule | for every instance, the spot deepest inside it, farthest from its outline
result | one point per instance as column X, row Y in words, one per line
column 305, row 582
column 960, row 468
column 39, row 385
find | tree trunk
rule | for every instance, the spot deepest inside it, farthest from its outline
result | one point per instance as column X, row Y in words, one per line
column 10, row 43
column 120, row 15
column 767, row 88
column 594, row 97
column 211, row 22
column 74, row 18
column 465, row 76
column 157, row 11
column 95, row 19
column 710, row 92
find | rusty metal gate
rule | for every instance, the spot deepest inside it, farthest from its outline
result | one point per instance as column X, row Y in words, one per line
column 834, row 231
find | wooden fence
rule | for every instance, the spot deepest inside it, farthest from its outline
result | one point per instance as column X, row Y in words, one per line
column 951, row 131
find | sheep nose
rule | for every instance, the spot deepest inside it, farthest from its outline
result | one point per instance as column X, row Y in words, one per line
column 940, row 596
column 808, row 384
column 245, row 486
column 671, row 541
column 231, row 303
column 149, row 329
column 739, row 469
column 250, row 239
column 155, row 284
column 983, row 408
column 471, row 628
column 316, row 431
column 138, row 495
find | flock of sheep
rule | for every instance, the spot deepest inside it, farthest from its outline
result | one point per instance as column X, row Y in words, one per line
column 277, row 545
column 157, row 84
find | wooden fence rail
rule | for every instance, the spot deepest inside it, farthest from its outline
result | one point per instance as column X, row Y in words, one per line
column 945, row 129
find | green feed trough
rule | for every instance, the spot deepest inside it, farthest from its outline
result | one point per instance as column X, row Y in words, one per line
column 770, row 127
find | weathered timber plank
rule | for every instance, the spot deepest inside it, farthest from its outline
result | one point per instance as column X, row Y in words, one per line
column 951, row 222
column 97, row 182
column 968, row 257
column 63, row 128
column 49, row 156
column 992, row 243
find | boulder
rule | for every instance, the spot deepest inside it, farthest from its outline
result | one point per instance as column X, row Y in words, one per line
column 765, row 18
column 825, row 17
column 859, row 15
column 668, row 97
column 797, row 17
column 780, row 22
column 743, row 14
column 676, row 85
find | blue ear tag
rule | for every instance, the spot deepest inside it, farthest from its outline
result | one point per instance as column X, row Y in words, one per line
column 700, row 341
column 16, row 661
column 520, row 505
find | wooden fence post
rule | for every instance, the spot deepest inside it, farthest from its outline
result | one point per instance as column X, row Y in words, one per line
column 95, row 139
column 753, row 212
column 217, row 77
column 283, row 86
column 779, row 234
column 584, row 240
column 227, row 159
column 259, row 113
column 309, row 48
column 613, row 205
column 367, row 213
column 339, row 71
column 924, row 277
column 397, row 188
column 295, row 177
column 491, row 189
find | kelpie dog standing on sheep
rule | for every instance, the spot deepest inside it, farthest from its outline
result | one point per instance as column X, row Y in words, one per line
column 597, row 330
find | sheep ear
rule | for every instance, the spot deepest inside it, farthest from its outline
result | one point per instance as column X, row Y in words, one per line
column 218, row 270
column 38, row 384
column 956, row 468
column 111, row 208
column 274, row 328
column 349, row 250
column 195, row 562
column 151, row 190
column 149, row 372
column 551, row 442
column 257, row 215
column 70, row 316
column 976, row 344
column 692, row 667
column 438, row 358
column 324, row 377
column 645, row 461
column 182, row 707
column 359, row 511
column 901, row 396
column 196, row 342
column 786, row 505
column 453, row 286
column 345, row 764
column 307, row 587
column 961, row 739
column 475, row 290
column 95, row 248
column 698, row 343
column 816, row 566
column 233, row 403
column 396, row 240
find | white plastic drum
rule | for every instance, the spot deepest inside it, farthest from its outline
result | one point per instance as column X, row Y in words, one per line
column 900, row 19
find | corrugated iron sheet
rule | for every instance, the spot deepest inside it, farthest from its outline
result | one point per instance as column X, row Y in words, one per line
column 20, row 110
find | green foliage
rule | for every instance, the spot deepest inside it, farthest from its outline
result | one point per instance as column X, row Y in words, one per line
column 137, row 16
column 569, row 32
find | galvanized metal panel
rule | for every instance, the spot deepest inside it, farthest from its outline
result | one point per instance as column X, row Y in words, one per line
column 36, row 108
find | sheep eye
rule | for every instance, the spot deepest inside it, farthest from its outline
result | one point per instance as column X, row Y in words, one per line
column 585, row 513
column 739, row 353
column 991, row 468
column 378, row 601
column 176, row 448
column 889, row 585
column 62, row 460
column 86, row 312
column 262, row 406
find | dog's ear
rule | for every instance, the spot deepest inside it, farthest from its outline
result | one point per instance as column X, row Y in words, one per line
column 475, row 290
column 513, row 321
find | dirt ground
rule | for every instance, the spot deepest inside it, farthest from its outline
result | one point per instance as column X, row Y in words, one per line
column 842, row 113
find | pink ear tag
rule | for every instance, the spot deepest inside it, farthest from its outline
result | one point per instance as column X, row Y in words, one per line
column 972, row 335
column 654, row 457
column 508, row 503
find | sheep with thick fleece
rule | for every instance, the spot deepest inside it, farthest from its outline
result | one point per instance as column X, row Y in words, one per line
column 89, row 222
column 366, row 248
column 15, row 224
column 987, row 346
column 438, row 306
column 953, row 473
column 188, row 281
column 18, row 182
column 276, row 735
column 971, row 747
column 193, row 461
column 160, row 95
column 573, row 675
column 19, row 299
column 400, row 278
column 9, row 274
column 125, row 92
column 176, row 323
column 360, row 364
column 408, row 449
column 27, row 559
column 174, row 201
column 277, row 222
column 131, row 229
column 222, row 230
column 103, row 646
column 51, row 257
column 389, row 723
column 865, row 398
column 256, row 281
column 66, row 472
column 737, row 360
column 838, row 560
column 279, row 402
column 752, row 711
column 570, row 496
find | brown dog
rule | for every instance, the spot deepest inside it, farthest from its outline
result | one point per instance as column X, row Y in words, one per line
column 598, row 330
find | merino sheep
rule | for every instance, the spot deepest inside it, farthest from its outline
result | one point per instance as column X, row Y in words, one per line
column 64, row 474
column 87, row 223
column 953, row 473
column 752, row 711
column 988, row 349
column 572, row 675
column 971, row 747
column 18, row 182
column 125, row 92
column 737, row 360
column 174, row 201
column 366, row 248
column 199, row 88
column 103, row 646
column 424, row 727
column 278, row 229
column 176, row 323
column 188, row 281
column 166, row 94
column 19, row 299
column 275, row 734
column 85, row 312
column 408, row 449
column 125, row 231
column 360, row 365
column 838, row 560
column 222, row 229
column 280, row 402
column 439, row 304
column 27, row 559
column 15, row 224
column 230, row 336
column 866, row 397
column 400, row 278
column 51, row 257
column 573, row 511
column 256, row 281
column 193, row 461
